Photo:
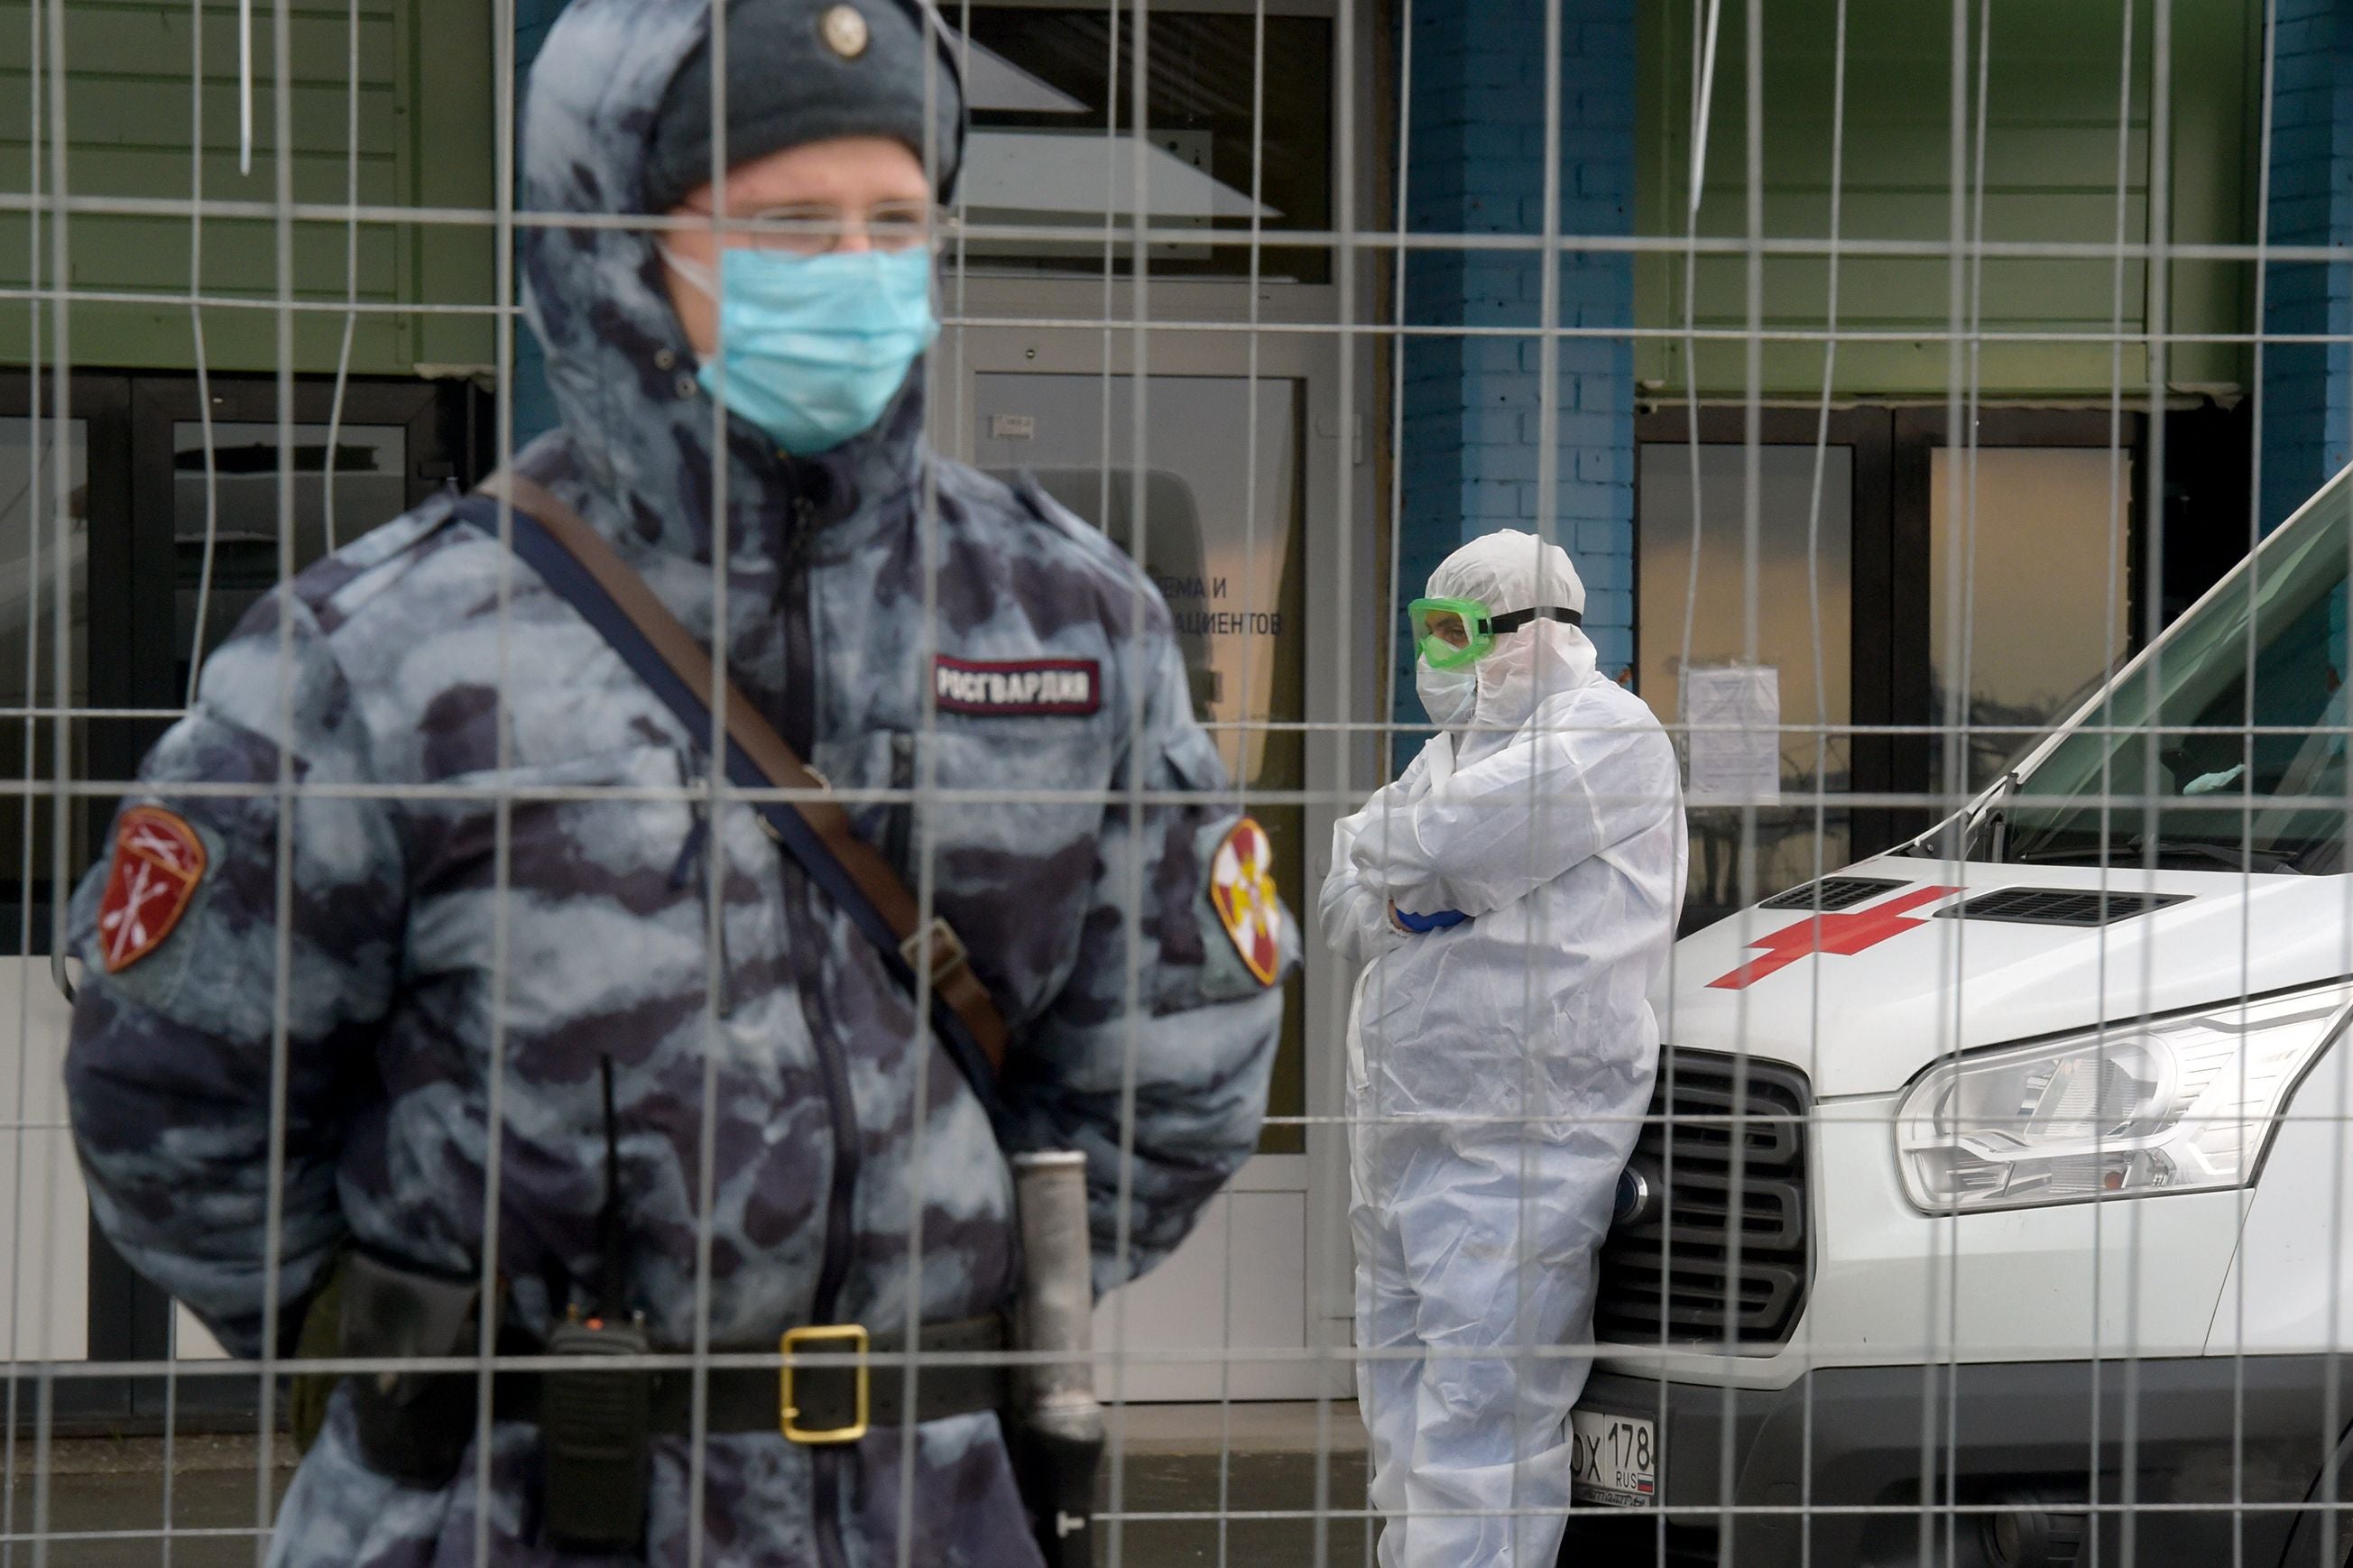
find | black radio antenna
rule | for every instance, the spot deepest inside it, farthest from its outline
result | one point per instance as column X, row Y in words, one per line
column 613, row 1242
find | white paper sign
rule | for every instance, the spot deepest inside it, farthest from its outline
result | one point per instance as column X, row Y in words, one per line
column 1734, row 715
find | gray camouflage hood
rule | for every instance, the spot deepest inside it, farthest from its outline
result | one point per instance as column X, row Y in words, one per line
column 619, row 363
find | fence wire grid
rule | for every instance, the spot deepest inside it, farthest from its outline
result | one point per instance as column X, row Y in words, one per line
column 1942, row 409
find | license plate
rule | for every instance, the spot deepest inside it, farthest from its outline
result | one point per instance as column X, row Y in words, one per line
column 1615, row 1459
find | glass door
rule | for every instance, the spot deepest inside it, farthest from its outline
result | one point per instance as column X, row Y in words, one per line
column 1222, row 535
column 1766, row 737
column 1233, row 509
column 44, row 1235
column 1881, row 604
column 224, row 513
column 35, row 551
column 2010, row 652
column 1222, row 532
column 2001, row 654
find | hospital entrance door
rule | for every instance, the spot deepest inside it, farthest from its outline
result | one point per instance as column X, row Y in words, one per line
column 1221, row 508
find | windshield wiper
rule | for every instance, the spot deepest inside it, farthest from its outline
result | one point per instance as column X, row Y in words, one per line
column 2230, row 854
column 1988, row 811
column 1997, row 816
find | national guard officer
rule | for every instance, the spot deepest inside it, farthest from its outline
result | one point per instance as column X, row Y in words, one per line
column 533, row 1042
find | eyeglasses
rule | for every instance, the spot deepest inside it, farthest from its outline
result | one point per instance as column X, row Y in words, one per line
column 815, row 228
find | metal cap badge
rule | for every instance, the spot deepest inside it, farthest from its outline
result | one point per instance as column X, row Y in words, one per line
column 844, row 31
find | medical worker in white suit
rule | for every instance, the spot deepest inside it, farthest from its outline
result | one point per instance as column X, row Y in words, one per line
column 1512, row 896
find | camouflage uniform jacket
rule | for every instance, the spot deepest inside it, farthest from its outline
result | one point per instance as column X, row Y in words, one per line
column 445, row 972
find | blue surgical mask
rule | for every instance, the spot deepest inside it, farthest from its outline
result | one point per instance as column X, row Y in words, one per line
column 815, row 346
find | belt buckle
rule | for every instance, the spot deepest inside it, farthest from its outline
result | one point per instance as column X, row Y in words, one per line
column 935, row 948
column 854, row 1335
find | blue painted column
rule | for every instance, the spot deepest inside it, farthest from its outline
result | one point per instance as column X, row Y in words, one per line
column 535, row 406
column 2307, row 405
column 1475, row 164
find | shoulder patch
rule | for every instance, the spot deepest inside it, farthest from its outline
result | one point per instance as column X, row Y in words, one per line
column 1017, row 687
column 1242, row 888
column 158, row 862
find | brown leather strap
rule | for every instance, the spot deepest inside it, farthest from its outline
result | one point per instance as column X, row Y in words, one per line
column 936, row 949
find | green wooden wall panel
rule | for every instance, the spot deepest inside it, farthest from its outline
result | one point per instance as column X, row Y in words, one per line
column 1911, row 216
column 2019, row 156
column 129, row 103
column 2217, row 145
column 163, row 338
column 319, row 42
column 318, row 176
column 452, row 149
column 1881, row 293
column 153, row 112
column 152, row 253
column 2050, row 172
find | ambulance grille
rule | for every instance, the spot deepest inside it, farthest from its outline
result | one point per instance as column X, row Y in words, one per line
column 1722, row 1154
column 1831, row 893
column 2058, row 905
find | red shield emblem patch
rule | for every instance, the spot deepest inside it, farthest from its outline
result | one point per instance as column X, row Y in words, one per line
column 158, row 861
column 1243, row 891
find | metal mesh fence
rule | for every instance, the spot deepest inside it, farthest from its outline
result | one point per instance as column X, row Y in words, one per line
column 1821, row 1047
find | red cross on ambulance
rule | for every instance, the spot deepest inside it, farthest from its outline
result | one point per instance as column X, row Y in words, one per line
column 1845, row 933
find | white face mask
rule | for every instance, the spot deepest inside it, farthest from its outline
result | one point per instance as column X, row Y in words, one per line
column 1448, row 696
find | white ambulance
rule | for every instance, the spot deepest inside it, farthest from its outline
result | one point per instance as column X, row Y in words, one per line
column 2011, row 1173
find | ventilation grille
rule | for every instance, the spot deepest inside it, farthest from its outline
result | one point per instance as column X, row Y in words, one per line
column 2058, row 905
column 1832, row 893
column 1668, row 1275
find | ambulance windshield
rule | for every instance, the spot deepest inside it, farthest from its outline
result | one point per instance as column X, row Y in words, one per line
column 2225, row 747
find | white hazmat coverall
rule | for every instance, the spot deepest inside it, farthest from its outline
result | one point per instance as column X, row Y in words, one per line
column 1498, row 1070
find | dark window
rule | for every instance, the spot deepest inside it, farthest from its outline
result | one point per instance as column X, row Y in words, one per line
column 1053, row 143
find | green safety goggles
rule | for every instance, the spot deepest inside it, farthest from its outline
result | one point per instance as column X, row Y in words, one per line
column 1451, row 633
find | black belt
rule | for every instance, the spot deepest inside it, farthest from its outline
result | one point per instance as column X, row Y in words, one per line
column 817, row 1404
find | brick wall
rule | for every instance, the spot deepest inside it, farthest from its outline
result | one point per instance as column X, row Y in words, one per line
column 1473, row 404
column 2308, row 387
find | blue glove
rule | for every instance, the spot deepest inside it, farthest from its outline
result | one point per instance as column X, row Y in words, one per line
column 1438, row 921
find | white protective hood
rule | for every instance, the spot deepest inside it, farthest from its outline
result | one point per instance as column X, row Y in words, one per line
column 1513, row 571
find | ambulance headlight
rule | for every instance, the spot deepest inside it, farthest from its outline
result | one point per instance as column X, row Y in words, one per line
column 2175, row 1104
